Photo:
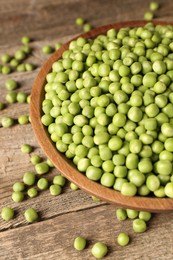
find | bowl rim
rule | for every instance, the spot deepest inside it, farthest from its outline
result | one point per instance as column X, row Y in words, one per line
column 63, row 164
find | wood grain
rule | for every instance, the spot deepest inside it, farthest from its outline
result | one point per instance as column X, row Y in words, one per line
column 73, row 213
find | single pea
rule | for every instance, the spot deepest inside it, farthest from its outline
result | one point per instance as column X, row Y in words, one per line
column 99, row 250
column 25, row 39
column 146, row 216
column 58, row 45
column 60, row 180
column 17, row 196
column 31, row 215
column 79, row 243
column 49, row 163
column 139, row 226
column 152, row 182
column 21, row 68
column 29, row 178
column 154, row 6
column 35, row 159
column 11, row 97
column 121, row 214
column 14, row 63
column 131, row 213
column 5, row 58
column 55, row 189
column 11, row 84
column 42, row 168
column 169, row 189
column 26, row 148
column 128, row 189
column 20, row 55
column 43, row 184
column 7, row 121
column 18, row 186
column 23, row 119
column 47, row 49
column 6, row 69
column 94, row 198
column 32, row 192
column 73, row 186
column 87, row 27
column 29, row 66
column 7, row 213
column 123, row 239
column 79, row 21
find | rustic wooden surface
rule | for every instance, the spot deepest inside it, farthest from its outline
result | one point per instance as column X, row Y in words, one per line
column 73, row 212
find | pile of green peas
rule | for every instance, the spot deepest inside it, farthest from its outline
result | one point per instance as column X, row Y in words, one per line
column 108, row 106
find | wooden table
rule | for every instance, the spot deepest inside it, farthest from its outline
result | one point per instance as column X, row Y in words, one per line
column 72, row 213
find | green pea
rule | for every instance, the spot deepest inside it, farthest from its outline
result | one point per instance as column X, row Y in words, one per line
column 7, row 121
column 11, row 97
column 31, row 215
column 73, row 186
column 42, row 168
column 25, row 40
column 11, row 84
column 23, row 119
column 146, row 216
column 32, row 192
column 29, row 178
column 128, row 189
column 123, row 239
column 18, row 186
column 7, row 213
column 55, row 189
column 17, row 196
column 139, row 226
column 47, row 49
column 79, row 243
column 42, row 184
column 99, row 250
column 121, row 214
column 35, row 159
column 26, row 148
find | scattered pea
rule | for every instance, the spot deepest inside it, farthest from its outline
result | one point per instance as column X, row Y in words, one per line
column 73, row 186
column 99, row 250
column 7, row 121
column 32, row 192
column 55, row 189
column 79, row 243
column 7, row 213
column 139, row 226
column 35, row 159
column 29, row 178
column 59, row 179
column 18, row 186
column 23, row 120
column 11, row 84
column 79, row 21
column 42, row 167
column 26, row 148
column 123, row 239
column 17, row 196
column 25, row 40
column 43, row 184
column 47, row 49
column 6, row 69
column 31, row 215
column 121, row 214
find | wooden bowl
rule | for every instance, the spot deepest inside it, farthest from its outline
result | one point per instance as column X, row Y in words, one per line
column 64, row 165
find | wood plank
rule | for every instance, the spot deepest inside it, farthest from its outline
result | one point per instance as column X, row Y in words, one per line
column 53, row 238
